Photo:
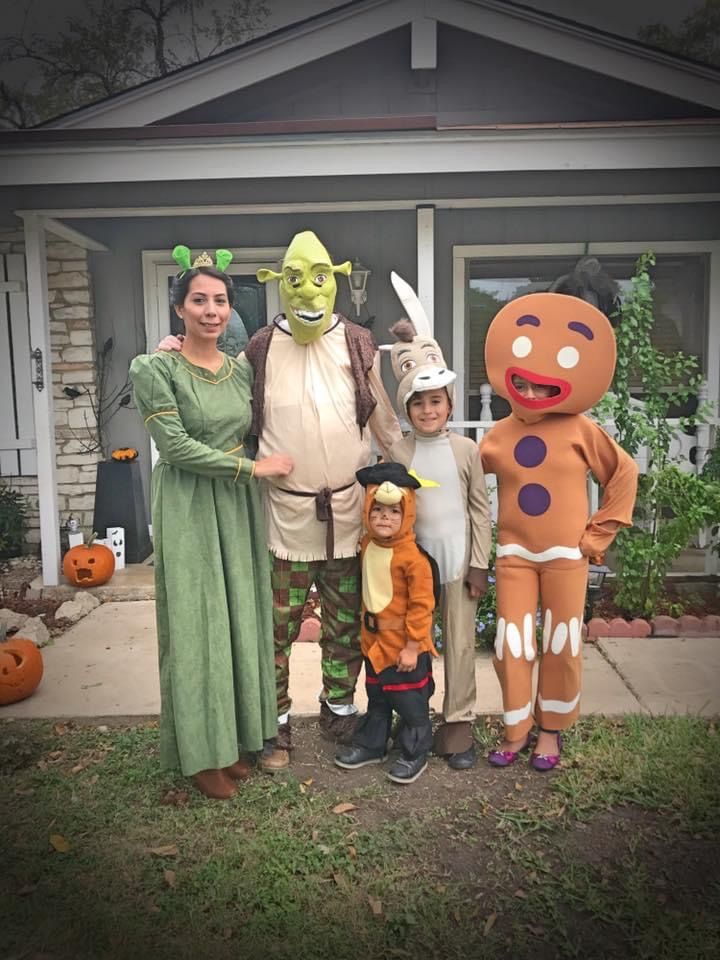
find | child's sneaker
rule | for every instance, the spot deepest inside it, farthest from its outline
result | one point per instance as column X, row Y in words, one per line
column 351, row 757
column 407, row 771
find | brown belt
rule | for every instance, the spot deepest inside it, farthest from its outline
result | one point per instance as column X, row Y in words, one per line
column 323, row 511
column 375, row 624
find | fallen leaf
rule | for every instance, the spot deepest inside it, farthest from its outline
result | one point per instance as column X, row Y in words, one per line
column 24, row 793
column 518, row 786
column 457, row 915
column 175, row 798
column 323, row 848
column 93, row 779
column 489, row 924
column 26, row 889
column 55, row 754
column 315, row 836
column 170, row 850
column 352, row 852
column 154, row 908
column 344, row 808
column 227, row 933
column 169, row 877
column 59, row 843
column 60, row 729
column 520, row 894
column 340, row 880
column 78, row 767
column 375, row 906
column 308, row 782
column 302, row 788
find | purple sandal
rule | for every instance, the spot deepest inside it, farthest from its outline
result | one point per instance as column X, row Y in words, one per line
column 505, row 758
column 542, row 762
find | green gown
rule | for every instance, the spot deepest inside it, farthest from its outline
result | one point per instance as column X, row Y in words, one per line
column 212, row 569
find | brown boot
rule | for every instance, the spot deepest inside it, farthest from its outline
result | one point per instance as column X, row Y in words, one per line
column 215, row 784
column 240, row 770
column 276, row 753
column 335, row 727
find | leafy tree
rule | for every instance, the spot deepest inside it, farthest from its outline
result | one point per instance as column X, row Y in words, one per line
column 114, row 45
column 698, row 36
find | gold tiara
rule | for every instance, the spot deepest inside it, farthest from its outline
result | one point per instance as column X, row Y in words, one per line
column 204, row 260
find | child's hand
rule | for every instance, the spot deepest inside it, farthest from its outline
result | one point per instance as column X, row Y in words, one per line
column 407, row 659
column 476, row 582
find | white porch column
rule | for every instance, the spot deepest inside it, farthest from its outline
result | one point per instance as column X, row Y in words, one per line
column 426, row 261
column 43, row 408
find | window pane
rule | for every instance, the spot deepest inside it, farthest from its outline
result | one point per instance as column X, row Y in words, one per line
column 680, row 303
column 247, row 316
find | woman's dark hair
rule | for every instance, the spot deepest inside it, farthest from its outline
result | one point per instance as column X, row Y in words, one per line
column 181, row 284
column 589, row 281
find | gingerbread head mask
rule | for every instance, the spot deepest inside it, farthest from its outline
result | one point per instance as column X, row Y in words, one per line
column 557, row 342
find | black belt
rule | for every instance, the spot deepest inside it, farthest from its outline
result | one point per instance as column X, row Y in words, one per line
column 323, row 511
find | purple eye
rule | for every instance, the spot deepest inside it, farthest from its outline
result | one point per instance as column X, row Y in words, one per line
column 528, row 318
column 582, row 329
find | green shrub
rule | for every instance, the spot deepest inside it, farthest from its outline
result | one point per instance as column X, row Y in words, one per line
column 13, row 521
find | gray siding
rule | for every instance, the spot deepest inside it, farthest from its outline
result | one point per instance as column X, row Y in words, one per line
column 476, row 81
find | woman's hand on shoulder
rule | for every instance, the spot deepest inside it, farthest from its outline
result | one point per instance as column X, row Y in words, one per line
column 276, row 465
column 171, row 343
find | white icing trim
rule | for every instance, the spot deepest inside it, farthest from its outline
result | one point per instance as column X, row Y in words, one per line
column 552, row 553
column 499, row 637
column 512, row 717
column 558, row 706
column 513, row 640
column 528, row 630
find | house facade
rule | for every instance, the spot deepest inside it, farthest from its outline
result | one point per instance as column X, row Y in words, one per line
column 476, row 147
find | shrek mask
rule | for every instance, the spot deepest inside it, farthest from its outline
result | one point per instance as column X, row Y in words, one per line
column 307, row 286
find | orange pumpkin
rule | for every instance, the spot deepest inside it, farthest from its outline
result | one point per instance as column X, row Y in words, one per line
column 21, row 669
column 89, row 564
column 124, row 453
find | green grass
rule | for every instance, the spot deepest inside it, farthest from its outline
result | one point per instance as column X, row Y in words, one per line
column 611, row 857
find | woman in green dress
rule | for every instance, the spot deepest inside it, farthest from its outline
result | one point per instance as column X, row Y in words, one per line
column 212, row 572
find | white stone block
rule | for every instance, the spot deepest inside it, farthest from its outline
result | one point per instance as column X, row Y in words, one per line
column 71, row 313
column 78, row 355
column 81, row 419
column 81, row 338
column 64, row 281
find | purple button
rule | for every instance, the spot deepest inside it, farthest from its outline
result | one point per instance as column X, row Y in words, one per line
column 530, row 451
column 534, row 499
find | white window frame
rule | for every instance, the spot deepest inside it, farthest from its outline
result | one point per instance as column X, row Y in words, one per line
column 158, row 265
column 465, row 252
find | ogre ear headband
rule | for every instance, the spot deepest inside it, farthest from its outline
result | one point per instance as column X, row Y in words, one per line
column 181, row 256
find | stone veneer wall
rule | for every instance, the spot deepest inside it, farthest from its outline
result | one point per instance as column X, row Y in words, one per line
column 73, row 363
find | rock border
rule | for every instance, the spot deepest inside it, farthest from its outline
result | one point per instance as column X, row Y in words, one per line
column 685, row 626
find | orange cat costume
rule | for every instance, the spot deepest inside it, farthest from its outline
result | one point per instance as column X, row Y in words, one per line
column 541, row 455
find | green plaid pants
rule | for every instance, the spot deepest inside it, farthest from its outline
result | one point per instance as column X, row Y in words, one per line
column 338, row 585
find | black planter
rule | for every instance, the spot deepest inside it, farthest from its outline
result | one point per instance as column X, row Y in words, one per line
column 119, row 502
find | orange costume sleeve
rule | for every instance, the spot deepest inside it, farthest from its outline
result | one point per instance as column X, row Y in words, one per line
column 617, row 473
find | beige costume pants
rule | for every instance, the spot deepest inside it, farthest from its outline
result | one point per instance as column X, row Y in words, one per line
column 458, row 627
column 560, row 585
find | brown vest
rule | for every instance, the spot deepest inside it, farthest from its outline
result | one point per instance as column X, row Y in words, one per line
column 361, row 350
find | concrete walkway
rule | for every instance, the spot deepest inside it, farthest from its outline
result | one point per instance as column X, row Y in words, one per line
column 106, row 665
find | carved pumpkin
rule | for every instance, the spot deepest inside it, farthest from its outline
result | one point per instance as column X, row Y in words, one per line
column 124, row 453
column 89, row 564
column 21, row 669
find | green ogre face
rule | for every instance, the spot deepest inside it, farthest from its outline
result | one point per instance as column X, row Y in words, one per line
column 307, row 286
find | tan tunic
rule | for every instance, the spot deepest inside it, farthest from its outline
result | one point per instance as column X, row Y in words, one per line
column 310, row 414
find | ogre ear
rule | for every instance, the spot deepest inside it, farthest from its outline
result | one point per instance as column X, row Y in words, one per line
column 344, row 268
column 264, row 274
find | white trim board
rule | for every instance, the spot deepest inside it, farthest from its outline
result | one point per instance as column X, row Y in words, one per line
column 464, row 252
column 360, row 206
column 351, row 24
column 672, row 146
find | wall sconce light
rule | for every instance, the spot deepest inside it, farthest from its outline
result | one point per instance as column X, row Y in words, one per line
column 358, row 284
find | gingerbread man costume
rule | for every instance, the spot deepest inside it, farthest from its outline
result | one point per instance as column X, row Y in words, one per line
column 541, row 455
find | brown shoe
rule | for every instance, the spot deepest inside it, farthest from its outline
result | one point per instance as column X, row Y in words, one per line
column 240, row 770
column 276, row 752
column 273, row 758
column 335, row 727
column 215, row 784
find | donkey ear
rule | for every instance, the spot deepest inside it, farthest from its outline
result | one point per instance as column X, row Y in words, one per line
column 344, row 268
column 409, row 299
column 222, row 259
